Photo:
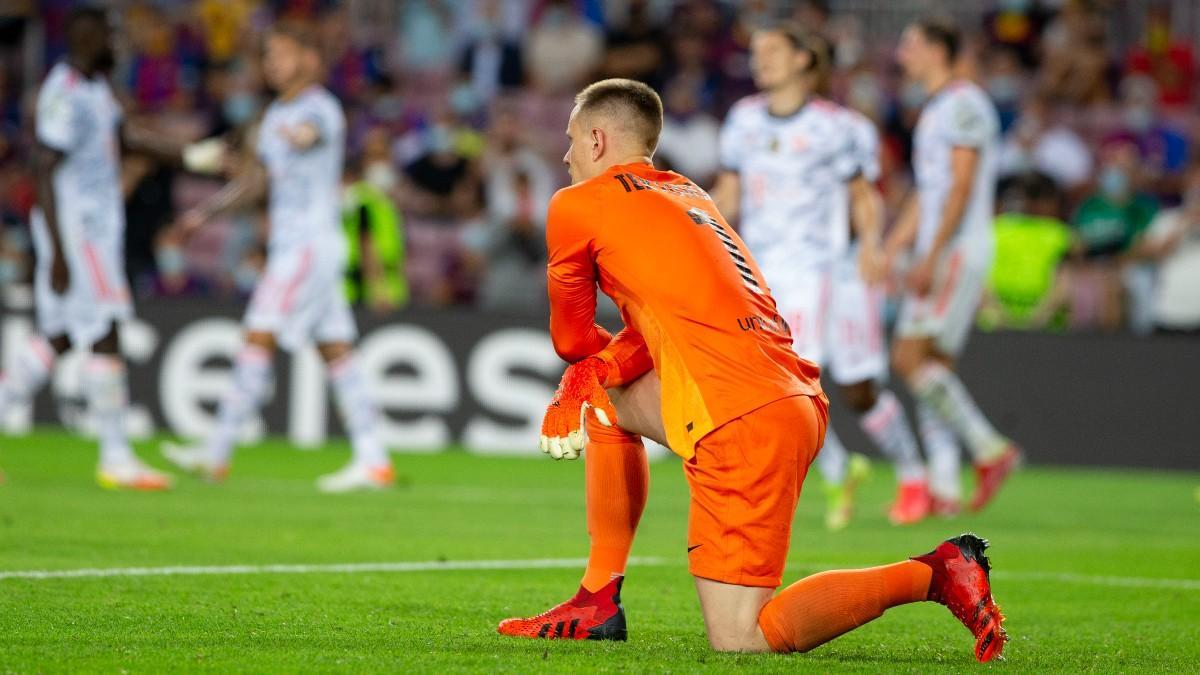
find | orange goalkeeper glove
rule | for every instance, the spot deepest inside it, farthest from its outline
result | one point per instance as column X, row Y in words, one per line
column 582, row 387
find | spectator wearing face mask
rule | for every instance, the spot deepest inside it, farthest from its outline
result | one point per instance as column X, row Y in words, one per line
column 1107, row 224
column 1111, row 218
column 1165, row 150
column 378, row 168
column 375, row 270
column 239, row 96
column 508, row 248
column 149, row 208
column 16, row 261
column 510, row 154
column 1172, row 246
column 1026, row 288
column 443, row 182
column 249, row 269
column 1005, row 82
column 174, row 279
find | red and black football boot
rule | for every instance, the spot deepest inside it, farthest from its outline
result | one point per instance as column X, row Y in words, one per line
column 961, row 582
column 990, row 476
column 587, row 616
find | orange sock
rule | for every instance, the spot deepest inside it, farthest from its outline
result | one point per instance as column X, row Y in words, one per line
column 818, row 608
column 618, row 477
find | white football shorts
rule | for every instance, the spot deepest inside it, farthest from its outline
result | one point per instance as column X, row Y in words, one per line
column 948, row 311
column 300, row 298
column 836, row 320
column 98, row 294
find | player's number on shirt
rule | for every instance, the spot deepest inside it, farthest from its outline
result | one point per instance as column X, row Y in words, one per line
column 701, row 217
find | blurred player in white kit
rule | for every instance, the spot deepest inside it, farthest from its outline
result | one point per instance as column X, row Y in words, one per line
column 949, row 219
column 799, row 170
column 300, row 146
column 80, row 291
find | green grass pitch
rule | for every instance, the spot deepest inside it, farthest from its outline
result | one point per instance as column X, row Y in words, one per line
column 1096, row 570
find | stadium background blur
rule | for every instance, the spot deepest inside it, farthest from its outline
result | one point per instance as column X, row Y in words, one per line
column 456, row 113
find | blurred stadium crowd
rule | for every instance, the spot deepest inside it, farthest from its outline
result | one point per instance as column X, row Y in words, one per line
column 457, row 108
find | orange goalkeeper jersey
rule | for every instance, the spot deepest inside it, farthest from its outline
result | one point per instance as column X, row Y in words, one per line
column 684, row 281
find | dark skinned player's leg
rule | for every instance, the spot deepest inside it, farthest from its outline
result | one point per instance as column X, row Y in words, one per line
column 30, row 371
column 107, row 393
column 107, row 385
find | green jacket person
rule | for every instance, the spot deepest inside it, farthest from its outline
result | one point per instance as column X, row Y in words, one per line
column 375, row 266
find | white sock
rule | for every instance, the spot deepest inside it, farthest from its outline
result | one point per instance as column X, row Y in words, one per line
column 108, row 395
column 887, row 425
column 833, row 459
column 945, row 457
column 942, row 391
column 251, row 377
column 30, row 371
column 358, row 411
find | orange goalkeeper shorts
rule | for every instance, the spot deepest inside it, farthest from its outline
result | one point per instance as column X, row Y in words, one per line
column 745, row 481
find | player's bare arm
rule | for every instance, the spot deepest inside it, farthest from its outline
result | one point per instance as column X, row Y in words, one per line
column 963, row 163
column 866, row 217
column 904, row 230
column 727, row 194
column 46, row 159
column 248, row 187
column 205, row 156
column 251, row 181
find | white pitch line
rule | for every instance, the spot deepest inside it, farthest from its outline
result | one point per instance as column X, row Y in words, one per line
column 336, row 568
column 535, row 564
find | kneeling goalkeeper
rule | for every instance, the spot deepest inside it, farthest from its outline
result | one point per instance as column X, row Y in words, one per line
column 705, row 365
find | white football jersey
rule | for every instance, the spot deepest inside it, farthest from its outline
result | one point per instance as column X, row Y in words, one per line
column 793, row 171
column 305, row 185
column 960, row 115
column 865, row 148
column 80, row 118
column 865, row 151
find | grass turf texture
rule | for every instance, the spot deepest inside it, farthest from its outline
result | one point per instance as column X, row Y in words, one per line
column 461, row 507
